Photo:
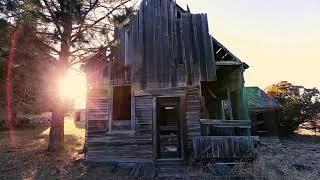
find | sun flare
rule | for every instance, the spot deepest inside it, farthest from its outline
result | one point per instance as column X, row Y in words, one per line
column 73, row 87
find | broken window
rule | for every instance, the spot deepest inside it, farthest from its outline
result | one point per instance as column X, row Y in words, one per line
column 227, row 109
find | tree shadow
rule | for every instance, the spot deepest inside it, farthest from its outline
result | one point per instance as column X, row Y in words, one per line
column 23, row 153
column 32, row 160
column 303, row 138
column 21, row 135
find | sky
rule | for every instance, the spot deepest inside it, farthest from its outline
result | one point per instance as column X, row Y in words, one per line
column 278, row 39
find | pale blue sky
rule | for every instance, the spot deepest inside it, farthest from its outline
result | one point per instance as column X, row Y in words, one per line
column 279, row 39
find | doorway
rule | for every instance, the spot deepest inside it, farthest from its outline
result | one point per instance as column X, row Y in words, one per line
column 121, row 108
column 168, row 128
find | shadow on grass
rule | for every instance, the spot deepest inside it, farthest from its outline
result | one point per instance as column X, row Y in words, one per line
column 23, row 153
column 20, row 135
column 306, row 138
column 31, row 159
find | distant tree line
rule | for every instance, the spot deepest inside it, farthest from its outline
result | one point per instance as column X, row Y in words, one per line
column 301, row 106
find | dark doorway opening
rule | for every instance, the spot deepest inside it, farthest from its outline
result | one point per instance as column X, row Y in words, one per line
column 213, row 93
column 168, row 128
column 121, row 111
column 260, row 123
column 78, row 116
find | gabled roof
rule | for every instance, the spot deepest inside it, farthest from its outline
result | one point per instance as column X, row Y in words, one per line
column 224, row 57
column 258, row 99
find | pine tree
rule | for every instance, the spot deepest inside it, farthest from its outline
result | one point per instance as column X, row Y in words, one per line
column 71, row 30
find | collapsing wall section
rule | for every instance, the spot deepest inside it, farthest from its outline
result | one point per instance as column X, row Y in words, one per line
column 165, row 46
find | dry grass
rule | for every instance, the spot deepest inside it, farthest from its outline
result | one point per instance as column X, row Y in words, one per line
column 23, row 154
column 26, row 157
column 290, row 159
column 71, row 128
column 305, row 129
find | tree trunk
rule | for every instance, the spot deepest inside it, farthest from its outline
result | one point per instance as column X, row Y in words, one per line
column 56, row 140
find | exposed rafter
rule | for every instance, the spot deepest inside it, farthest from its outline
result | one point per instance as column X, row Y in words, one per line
column 223, row 52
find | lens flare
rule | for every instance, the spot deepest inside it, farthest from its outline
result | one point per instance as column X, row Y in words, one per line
column 73, row 87
column 8, row 86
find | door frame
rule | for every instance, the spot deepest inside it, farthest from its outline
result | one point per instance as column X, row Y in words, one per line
column 183, row 127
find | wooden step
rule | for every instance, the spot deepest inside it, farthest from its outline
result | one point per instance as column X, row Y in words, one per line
column 98, row 118
column 97, row 126
column 97, row 133
column 109, row 141
column 119, row 154
column 98, row 103
column 97, row 111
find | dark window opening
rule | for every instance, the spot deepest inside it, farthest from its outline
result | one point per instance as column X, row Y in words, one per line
column 213, row 95
column 178, row 15
column 121, row 111
column 168, row 116
column 78, row 116
column 260, row 123
column 227, row 109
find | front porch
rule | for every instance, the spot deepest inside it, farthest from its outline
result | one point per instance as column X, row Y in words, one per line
column 223, row 140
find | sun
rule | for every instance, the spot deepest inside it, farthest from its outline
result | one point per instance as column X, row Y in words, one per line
column 74, row 87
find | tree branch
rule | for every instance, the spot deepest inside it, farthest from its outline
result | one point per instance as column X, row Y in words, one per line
column 97, row 21
column 54, row 5
column 55, row 21
column 84, row 17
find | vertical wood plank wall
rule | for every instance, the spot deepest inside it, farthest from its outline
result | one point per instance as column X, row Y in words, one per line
column 165, row 46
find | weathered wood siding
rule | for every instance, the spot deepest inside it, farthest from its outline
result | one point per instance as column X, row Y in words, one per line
column 270, row 122
column 98, row 112
column 98, row 120
column 192, row 118
column 144, row 115
column 164, row 52
column 121, row 146
column 222, row 147
column 162, row 49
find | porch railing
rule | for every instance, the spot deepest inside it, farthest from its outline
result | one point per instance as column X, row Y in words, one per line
column 218, row 127
column 222, row 148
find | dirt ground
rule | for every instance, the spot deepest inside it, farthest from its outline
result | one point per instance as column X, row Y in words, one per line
column 24, row 156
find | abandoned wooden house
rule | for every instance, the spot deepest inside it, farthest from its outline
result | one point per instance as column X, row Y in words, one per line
column 168, row 91
column 264, row 112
